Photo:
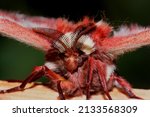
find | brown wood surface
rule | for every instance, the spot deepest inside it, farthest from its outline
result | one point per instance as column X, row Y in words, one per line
column 40, row 92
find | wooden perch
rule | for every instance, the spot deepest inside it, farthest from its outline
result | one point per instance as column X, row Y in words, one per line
column 40, row 92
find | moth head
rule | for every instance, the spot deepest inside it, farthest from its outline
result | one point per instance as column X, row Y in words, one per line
column 72, row 49
column 66, row 43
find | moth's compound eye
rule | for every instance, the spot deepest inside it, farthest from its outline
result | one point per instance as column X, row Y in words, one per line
column 64, row 42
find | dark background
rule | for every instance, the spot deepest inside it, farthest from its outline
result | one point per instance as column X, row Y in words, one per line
column 17, row 60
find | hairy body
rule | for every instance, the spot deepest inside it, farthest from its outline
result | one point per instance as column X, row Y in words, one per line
column 79, row 57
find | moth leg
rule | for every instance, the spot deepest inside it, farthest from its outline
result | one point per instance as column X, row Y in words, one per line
column 57, row 79
column 125, row 87
column 89, row 77
column 101, row 69
column 60, row 91
column 36, row 73
column 62, row 83
column 110, row 82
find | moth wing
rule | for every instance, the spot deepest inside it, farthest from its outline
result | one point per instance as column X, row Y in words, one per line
column 127, row 39
column 23, row 34
column 28, row 29
column 29, row 21
column 19, row 27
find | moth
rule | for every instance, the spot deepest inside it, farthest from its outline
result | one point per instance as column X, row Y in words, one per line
column 79, row 56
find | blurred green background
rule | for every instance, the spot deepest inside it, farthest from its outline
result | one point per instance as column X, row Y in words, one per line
column 17, row 59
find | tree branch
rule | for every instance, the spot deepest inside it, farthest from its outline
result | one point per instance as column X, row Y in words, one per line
column 41, row 92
